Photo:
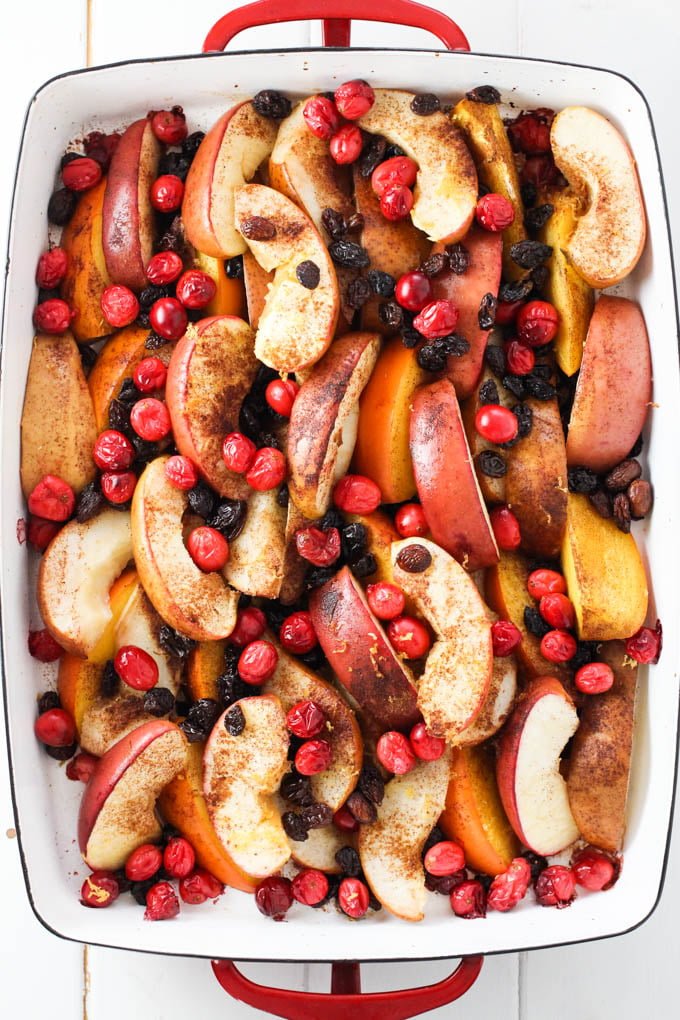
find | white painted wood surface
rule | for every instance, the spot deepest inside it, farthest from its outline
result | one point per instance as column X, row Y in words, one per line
column 620, row 978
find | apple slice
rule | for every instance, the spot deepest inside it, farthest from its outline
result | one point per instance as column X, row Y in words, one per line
column 76, row 572
column 240, row 777
column 320, row 848
column 324, row 421
column 446, row 479
column 256, row 556
column 139, row 625
column 610, row 236
column 391, row 848
column 532, row 789
column 257, row 283
column 294, row 566
column 117, row 810
column 128, row 218
column 86, row 273
column 360, row 655
column 497, row 705
column 446, row 187
column 228, row 156
column 211, row 370
column 614, row 387
column 196, row 604
column 297, row 324
column 108, row 720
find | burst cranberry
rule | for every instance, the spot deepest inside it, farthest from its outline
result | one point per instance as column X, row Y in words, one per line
column 164, row 268
column 394, row 753
column 321, row 117
column 161, row 903
column 537, row 323
column 169, row 126
column 396, row 203
column 143, row 862
column 594, row 678
column 530, row 134
column 267, row 470
column 385, row 600
column 100, row 889
column 424, row 745
column 345, row 144
column 195, row 289
column 545, row 582
column 136, row 668
column 344, row 820
column 506, row 312
column 113, row 451
column 400, row 171
column 80, row 768
column 280, row 395
column 310, row 887
column 555, row 887
column 353, row 897
column 593, row 869
column 520, row 358
column 539, row 171
column 354, row 98
column 41, row 532
column 508, row 889
column 445, row 858
column 437, row 319
column 257, row 662
column 178, row 857
column 52, row 266
column 318, row 547
column 251, row 624
column 274, row 897
column 305, row 719
column 645, row 645
column 55, row 728
column 166, row 193
column 208, row 548
column 505, row 637
column 52, row 499
column 200, row 886
column 410, row 521
column 356, row 494
column 557, row 610
column 312, row 757
column 496, row 424
column 558, row 646
column 150, row 375
column 468, row 900
column 168, row 318
column 118, row 486
column 505, row 528
column 181, row 472
column 495, row 212
column 238, row 452
column 43, row 647
column 409, row 637
column 297, row 633
column 101, row 147
column 119, row 306
column 52, row 316
column 81, row 174
column 150, row 419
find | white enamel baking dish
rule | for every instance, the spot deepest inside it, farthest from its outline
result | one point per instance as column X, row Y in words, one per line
column 46, row 803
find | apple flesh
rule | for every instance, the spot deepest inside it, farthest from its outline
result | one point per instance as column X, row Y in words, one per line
column 497, row 705
column 319, row 849
column 108, row 720
column 256, row 556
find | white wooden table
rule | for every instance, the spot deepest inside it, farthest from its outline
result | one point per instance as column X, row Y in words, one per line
column 621, row 978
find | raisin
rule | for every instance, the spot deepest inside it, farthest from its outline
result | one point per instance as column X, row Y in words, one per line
column 349, row 254
column 62, row 753
column 491, row 464
column 276, row 613
column 495, row 358
column 282, row 496
column 425, row 104
column 143, row 320
column 231, row 688
column 175, row 163
column 271, row 104
column 637, row 447
column 354, row 538
column 586, row 652
column 314, row 659
column 582, row 479
column 538, row 388
column 258, row 228
column 534, row 622
column 192, row 142
column 529, row 254
column 622, row 514
column 529, row 193
column 110, row 681
column 334, row 519
column 620, row 477
column 525, row 419
column 233, row 267
column 333, row 886
column 229, row 517
column 365, row 566
column 140, row 889
column 144, row 450
column 536, row 218
column 202, row 500
column 358, row 292
column 154, row 341
column 334, row 223
column 128, row 393
column 602, row 503
column 48, row 700
column 444, row 884
column 316, row 816
column 454, row 345
column 348, row 861
column 61, row 206
column 535, row 862
column 372, row 153
column 294, row 826
column 484, row 94
column 371, row 784
column 414, row 558
column 373, row 902
column 393, row 150
column 381, row 283
column 297, row 789
column 436, row 836
column 488, row 393
column 159, row 701
column 315, row 578
column 431, row 358
column 355, row 223
column 235, row 721
column 173, row 238
column 517, row 291
column 410, row 337
column 362, row 809
column 540, row 277
column 542, row 372
column 192, row 731
column 459, row 259
column 640, row 498
column 68, row 157
column 119, row 415
column 435, row 265
column 150, row 294
column 90, row 502
column 88, row 357
column 515, row 383
column 390, row 314
column 203, row 713
column 173, row 643
column 308, row 274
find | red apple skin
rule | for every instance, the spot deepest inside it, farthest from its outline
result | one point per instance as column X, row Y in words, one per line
column 198, row 193
column 614, row 386
column 360, row 654
column 466, row 291
column 446, row 479
column 128, row 218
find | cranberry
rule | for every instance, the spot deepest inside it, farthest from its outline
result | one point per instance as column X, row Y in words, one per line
column 118, row 486
column 496, row 424
column 346, row 144
column 354, row 98
column 274, row 897
column 55, row 728
column 119, row 306
column 81, row 174
column 557, row 610
column 168, row 318
column 251, row 624
column 520, row 358
column 394, row 753
column 150, row 375
column 594, row 678
column 495, row 212
column 136, row 668
column 166, row 193
column 143, row 862
column 555, row 887
column 305, row 719
column 280, row 395
column 409, row 637
column 310, row 887
column 113, row 451
column 593, row 869
column 52, row 266
column 150, row 419
column 400, row 171
column 195, row 289
column 558, row 646
column 238, row 452
column 508, row 889
column 312, row 757
column 164, row 268
column 468, row 900
column 297, row 633
column 257, row 662
column 353, row 897
column 537, row 323
column 41, row 532
column 505, row 528
column 321, row 116
column 161, row 902
column 43, row 647
column 179, row 857
column 200, row 886
column 169, row 126
column 539, row 171
column 52, row 316
column 424, row 745
column 644, row 646
column 80, row 768
column 318, row 547
column 208, row 548
column 545, row 582
column 505, row 637
column 445, row 858
column 530, row 134
column 385, row 600
column 52, row 499
column 101, row 147
column 410, row 521
column 268, row 469
column 356, row 494
column 396, row 203
column 344, row 820
column 181, row 472
column 100, row 889
column 436, row 319
column 506, row 312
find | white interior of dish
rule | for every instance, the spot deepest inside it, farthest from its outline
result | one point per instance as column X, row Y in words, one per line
column 47, row 802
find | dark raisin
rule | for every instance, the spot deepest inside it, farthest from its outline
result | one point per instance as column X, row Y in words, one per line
column 495, row 358
column 536, row 218
column 191, row 143
column 540, row 277
column 358, row 292
column 620, row 477
column 173, row 643
column 159, row 701
column 154, row 342
column 529, row 194
column 203, row 713
column 192, row 731
column 484, row 94
column 373, row 902
column 515, row 383
column 231, row 688
column 459, row 259
column 486, row 316
column 425, row 104
column 491, row 464
column 361, row 809
column 276, row 613
column 348, row 861
column 175, row 163
column 371, row 783
column 354, row 538
column 119, row 415
column 173, row 238
column 61, row 206
column 229, row 517
column 318, row 576
column 582, row 479
column 445, row 884
column 140, row 889
column 333, row 886
column 525, row 419
column 258, row 228
column 317, row 816
column 62, row 753
column 88, row 357
column 381, row 283
column 68, row 157
column 393, row 150
column 349, row 254
column 202, row 500
column 542, row 372
column 535, row 862
column 431, row 358
column 334, row 223
column 372, row 153
column 410, row 337
column 90, row 502
column 282, row 496
column 235, row 721
column 297, row 789
column 314, row 659
column 47, row 295
column 294, row 826
column 414, row 558
column 143, row 320
column 151, row 294
column 622, row 514
column 124, row 883
column 538, row 388
column 586, row 651
column 529, row 254
column 454, row 345
column 109, row 681
column 436, row 836
column 356, row 223
column 534, row 622
column 390, row 314
column 488, row 393
column 640, row 497
column 308, row 274
column 271, row 104
column 128, row 393
column 517, row 291
column 233, row 267
column 602, row 503
column 47, row 701
column 365, row 566
column 435, row 265
column 334, row 519
column 482, row 190
column 144, row 450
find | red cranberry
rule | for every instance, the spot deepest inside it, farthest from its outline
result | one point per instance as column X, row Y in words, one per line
column 274, row 897
column 544, row 582
column 168, row 318
column 396, row 203
column 557, row 610
column 118, row 486
column 200, row 886
column 181, row 472
column 169, row 126
column 520, row 358
column 445, row 858
column 468, row 900
column 43, row 647
column 55, row 728
column 318, row 547
column 437, row 319
column 113, row 451
column 346, row 144
column 179, row 857
column 52, row 316
column 344, row 820
column 52, row 266
column 354, row 98
column 310, row 887
column 505, row 638
column 52, row 499
column 164, row 268
column 537, row 323
column 424, row 745
column 101, row 147
column 143, row 862
column 530, row 134
column 267, row 470
column 41, row 531
column 195, row 289
column 410, row 521
column 385, row 600
column 508, row 889
column 208, row 548
column 136, row 668
column 100, row 889
column 506, row 312
column 238, row 452
column 81, row 174
column 80, row 768
column 257, row 662
column 593, row 869
column 644, row 646
column 594, row 678
column 161, row 903
column 305, row 719
column 495, row 212
column 356, row 494
column 119, row 306
column 251, row 624
column 353, row 897
column 150, row 419
column 555, row 887
column 409, row 637
column 166, row 193
column 505, row 528
column 400, row 171
column 496, row 424
column 312, row 757
column 321, row 116
column 297, row 633
column 150, row 375
column 394, row 753
column 280, row 395
column 558, row 646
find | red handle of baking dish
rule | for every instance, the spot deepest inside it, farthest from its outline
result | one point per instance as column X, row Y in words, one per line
column 337, row 16
column 345, row 1001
